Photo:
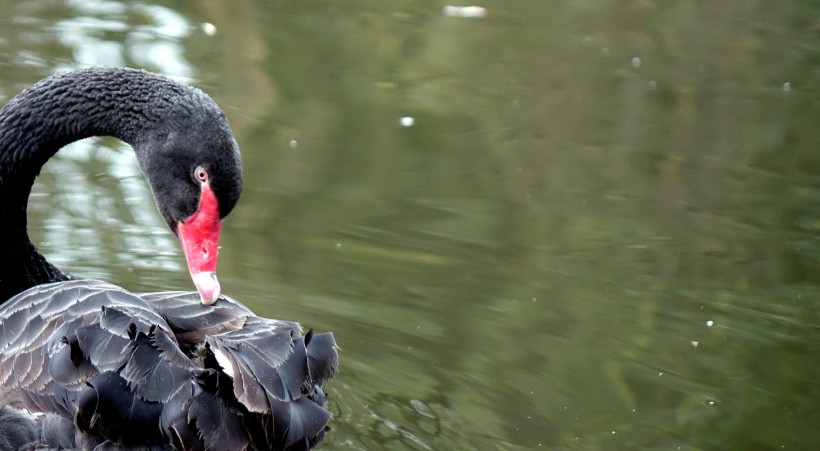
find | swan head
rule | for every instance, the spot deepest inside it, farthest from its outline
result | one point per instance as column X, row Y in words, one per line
column 192, row 163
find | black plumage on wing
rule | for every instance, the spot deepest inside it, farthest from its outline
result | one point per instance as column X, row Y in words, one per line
column 135, row 373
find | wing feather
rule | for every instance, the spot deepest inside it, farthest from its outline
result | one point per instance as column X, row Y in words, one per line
column 192, row 376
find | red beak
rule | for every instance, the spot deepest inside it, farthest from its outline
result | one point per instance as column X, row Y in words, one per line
column 199, row 235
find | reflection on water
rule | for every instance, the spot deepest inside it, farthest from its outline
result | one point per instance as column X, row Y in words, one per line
column 599, row 231
column 99, row 34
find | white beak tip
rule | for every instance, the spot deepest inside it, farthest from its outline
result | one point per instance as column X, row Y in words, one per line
column 208, row 287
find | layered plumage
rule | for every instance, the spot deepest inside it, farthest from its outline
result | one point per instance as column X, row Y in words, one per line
column 161, row 369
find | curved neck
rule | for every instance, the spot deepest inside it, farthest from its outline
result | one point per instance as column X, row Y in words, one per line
column 117, row 102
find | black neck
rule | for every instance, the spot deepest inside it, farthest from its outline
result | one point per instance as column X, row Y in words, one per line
column 59, row 110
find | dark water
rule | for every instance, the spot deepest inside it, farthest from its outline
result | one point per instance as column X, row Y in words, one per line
column 601, row 230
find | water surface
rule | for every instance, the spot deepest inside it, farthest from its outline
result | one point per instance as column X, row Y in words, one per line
column 600, row 229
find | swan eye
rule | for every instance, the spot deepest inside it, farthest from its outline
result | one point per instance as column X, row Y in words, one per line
column 201, row 174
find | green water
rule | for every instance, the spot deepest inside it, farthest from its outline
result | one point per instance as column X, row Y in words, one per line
column 600, row 231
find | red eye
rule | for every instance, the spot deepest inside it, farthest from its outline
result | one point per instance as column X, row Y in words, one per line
column 201, row 174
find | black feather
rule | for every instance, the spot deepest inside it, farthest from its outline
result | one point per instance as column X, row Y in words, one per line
column 323, row 358
column 17, row 428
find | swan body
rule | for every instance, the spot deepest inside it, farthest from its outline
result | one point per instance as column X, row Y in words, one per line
column 85, row 364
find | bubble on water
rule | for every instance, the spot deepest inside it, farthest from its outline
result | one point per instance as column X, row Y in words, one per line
column 209, row 28
column 787, row 87
column 701, row 68
column 293, row 143
column 338, row 245
column 636, row 62
column 604, row 51
column 652, row 85
column 407, row 121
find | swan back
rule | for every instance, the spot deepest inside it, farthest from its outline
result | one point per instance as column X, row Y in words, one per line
column 195, row 377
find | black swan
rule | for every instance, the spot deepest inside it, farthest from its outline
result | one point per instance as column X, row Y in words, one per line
column 88, row 365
